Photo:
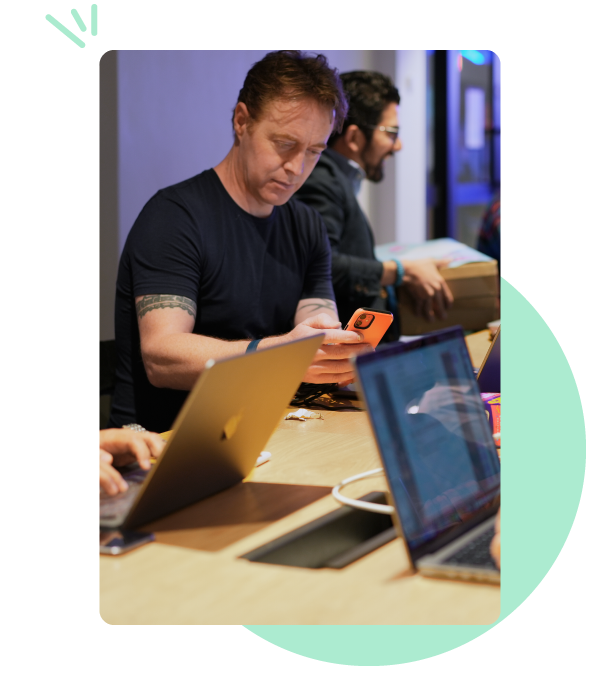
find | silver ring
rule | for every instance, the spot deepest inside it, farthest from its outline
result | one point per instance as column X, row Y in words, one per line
column 134, row 427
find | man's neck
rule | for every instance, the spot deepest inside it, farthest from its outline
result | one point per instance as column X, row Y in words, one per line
column 230, row 173
column 342, row 149
column 354, row 172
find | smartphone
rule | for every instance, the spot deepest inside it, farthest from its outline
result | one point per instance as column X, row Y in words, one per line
column 372, row 323
column 114, row 542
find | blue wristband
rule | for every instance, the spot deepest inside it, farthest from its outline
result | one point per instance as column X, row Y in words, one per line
column 252, row 346
column 399, row 274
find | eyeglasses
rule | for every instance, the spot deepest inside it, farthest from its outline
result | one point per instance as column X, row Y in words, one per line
column 391, row 131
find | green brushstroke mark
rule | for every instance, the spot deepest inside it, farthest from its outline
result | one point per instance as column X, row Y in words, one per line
column 79, row 20
column 94, row 19
column 65, row 31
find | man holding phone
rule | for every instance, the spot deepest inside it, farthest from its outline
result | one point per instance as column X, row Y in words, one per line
column 225, row 262
column 369, row 136
column 372, row 323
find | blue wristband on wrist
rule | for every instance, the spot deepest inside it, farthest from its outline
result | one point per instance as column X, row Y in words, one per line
column 252, row 346
column 400, row 273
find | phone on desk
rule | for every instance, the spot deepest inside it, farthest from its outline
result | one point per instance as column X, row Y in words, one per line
column 114, row 542
column 372, row 323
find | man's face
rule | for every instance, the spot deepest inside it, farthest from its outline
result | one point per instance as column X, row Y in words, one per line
column 279, row 151
column 382, row 145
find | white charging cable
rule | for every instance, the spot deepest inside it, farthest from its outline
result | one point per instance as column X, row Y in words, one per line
column 357, row 503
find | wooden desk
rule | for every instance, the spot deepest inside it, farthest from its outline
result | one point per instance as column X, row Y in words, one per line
column 478, row 345
column 167, row 584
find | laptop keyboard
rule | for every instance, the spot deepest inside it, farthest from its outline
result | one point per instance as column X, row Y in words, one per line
column 476, row 553
column 117, row 505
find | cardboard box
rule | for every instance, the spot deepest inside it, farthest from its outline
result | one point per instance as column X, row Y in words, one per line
column 472, row 279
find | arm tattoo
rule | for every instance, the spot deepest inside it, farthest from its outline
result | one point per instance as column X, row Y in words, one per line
column 150, row 302
column 320, row 304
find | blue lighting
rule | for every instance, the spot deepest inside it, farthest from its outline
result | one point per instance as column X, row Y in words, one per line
column 474, row 56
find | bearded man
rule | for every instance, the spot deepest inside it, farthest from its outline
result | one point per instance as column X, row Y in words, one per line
column 370, row 135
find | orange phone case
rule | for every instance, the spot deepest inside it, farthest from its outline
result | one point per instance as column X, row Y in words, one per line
column 372, row 323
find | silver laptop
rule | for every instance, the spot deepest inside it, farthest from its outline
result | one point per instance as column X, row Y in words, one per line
column 437, row 451
column 220, row 431
column 488, row 376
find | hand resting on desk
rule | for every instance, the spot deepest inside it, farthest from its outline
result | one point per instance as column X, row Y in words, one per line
column 121, row 447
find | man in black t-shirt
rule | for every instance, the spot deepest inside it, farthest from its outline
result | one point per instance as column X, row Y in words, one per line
column 223, row 260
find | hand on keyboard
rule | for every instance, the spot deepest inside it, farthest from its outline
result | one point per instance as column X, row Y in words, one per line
column 111, row 481
column 121, row 447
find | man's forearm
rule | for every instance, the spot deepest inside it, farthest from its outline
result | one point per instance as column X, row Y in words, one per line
column 174, row 357
column 177, row 360
column 353, row 276
column 313, row 306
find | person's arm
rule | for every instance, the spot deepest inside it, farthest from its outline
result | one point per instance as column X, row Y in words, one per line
column 313, row 306
column 174, row 357
column 317, row 310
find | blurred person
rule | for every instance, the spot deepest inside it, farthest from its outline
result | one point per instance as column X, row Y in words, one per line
column 370, row 136
column 488, row 241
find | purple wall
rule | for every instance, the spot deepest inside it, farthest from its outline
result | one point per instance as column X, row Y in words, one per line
column 175, row 116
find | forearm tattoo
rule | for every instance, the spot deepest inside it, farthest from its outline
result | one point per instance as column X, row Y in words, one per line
column 312, row 306
column 150, row 302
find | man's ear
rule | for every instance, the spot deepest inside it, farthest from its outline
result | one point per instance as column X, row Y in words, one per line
column 354, row 138
column 241, row 119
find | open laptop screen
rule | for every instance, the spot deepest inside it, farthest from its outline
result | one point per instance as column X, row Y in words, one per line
column 433, row 435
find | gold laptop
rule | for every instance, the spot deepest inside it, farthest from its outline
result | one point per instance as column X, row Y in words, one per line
column 220, row 431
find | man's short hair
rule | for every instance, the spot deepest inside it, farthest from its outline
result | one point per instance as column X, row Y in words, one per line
column 293, row 75
column 368, row 94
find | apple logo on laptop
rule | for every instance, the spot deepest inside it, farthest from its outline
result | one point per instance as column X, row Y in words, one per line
column 231, row 426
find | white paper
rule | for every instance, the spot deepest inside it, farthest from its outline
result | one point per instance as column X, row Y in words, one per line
column 446, row 248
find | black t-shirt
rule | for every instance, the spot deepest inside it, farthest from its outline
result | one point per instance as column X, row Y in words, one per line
column 245, row 274
column 356, row 272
